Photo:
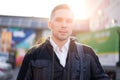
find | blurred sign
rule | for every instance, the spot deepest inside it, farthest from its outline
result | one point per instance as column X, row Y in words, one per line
column 22, row 38
column 105, row 43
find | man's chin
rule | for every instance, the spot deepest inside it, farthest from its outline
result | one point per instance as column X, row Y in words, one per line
column 63, row 38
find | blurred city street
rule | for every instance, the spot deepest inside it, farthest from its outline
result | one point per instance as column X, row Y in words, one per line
column 96, row 24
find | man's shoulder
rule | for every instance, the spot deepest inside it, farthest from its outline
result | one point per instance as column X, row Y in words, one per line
column 35, row 48
column 86, row 48
column 83, row 45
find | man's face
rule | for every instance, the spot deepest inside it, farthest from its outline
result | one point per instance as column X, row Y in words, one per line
column 61, row 24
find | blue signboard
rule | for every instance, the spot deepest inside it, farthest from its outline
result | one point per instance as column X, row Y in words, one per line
column 22, row 38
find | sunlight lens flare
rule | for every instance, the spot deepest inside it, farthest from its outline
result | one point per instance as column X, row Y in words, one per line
column 80, row 9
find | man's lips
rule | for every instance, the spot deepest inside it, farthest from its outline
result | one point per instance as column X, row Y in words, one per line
column 63, row 31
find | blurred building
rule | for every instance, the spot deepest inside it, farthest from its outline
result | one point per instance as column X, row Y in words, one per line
column 20, row 33
column 105, row 14
column 24, row 23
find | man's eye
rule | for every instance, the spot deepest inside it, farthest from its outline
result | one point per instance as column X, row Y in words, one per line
column 69, row 21
column 59, row 20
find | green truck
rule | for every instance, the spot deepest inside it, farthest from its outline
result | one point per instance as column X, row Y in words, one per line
column 106, row 44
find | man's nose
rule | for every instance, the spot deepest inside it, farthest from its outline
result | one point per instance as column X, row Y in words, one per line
column 64, row 24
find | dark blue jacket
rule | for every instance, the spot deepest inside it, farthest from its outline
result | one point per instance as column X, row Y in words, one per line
column 38, row 64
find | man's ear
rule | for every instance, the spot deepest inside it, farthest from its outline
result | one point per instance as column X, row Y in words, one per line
column 49, row 25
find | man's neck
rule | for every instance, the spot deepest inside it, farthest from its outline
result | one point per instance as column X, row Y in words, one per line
column 60, row 43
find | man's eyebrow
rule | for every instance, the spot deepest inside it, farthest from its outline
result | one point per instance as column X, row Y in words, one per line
column 59, row 19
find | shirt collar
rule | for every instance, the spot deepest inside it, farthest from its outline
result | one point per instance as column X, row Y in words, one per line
column 55, row 46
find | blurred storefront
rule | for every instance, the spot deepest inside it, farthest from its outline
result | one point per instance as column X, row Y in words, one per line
column 105, row 15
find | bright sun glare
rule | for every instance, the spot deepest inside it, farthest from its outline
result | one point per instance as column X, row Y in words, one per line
column 80, row 9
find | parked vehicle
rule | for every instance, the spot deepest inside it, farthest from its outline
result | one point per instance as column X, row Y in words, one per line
column 106, row 44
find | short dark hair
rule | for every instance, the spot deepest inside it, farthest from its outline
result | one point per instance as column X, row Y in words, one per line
column 61, row 6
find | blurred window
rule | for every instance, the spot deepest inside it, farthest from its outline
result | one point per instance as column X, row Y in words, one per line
column 5, row 21
column 15, row 21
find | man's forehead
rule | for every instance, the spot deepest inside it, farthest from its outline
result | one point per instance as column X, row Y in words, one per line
column 63, row 12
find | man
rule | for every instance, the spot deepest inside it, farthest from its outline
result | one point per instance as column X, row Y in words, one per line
column 56, row 59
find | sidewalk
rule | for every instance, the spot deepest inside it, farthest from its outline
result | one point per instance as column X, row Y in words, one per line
column 15, row 73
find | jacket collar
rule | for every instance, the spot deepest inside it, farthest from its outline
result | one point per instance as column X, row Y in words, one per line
column 72, row 47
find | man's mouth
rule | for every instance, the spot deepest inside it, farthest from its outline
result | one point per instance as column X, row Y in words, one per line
column 63, row 31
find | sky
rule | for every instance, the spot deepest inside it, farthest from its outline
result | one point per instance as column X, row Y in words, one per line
column 41, row 8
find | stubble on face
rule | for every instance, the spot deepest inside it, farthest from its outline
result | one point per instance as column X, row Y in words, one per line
column 60, row 36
